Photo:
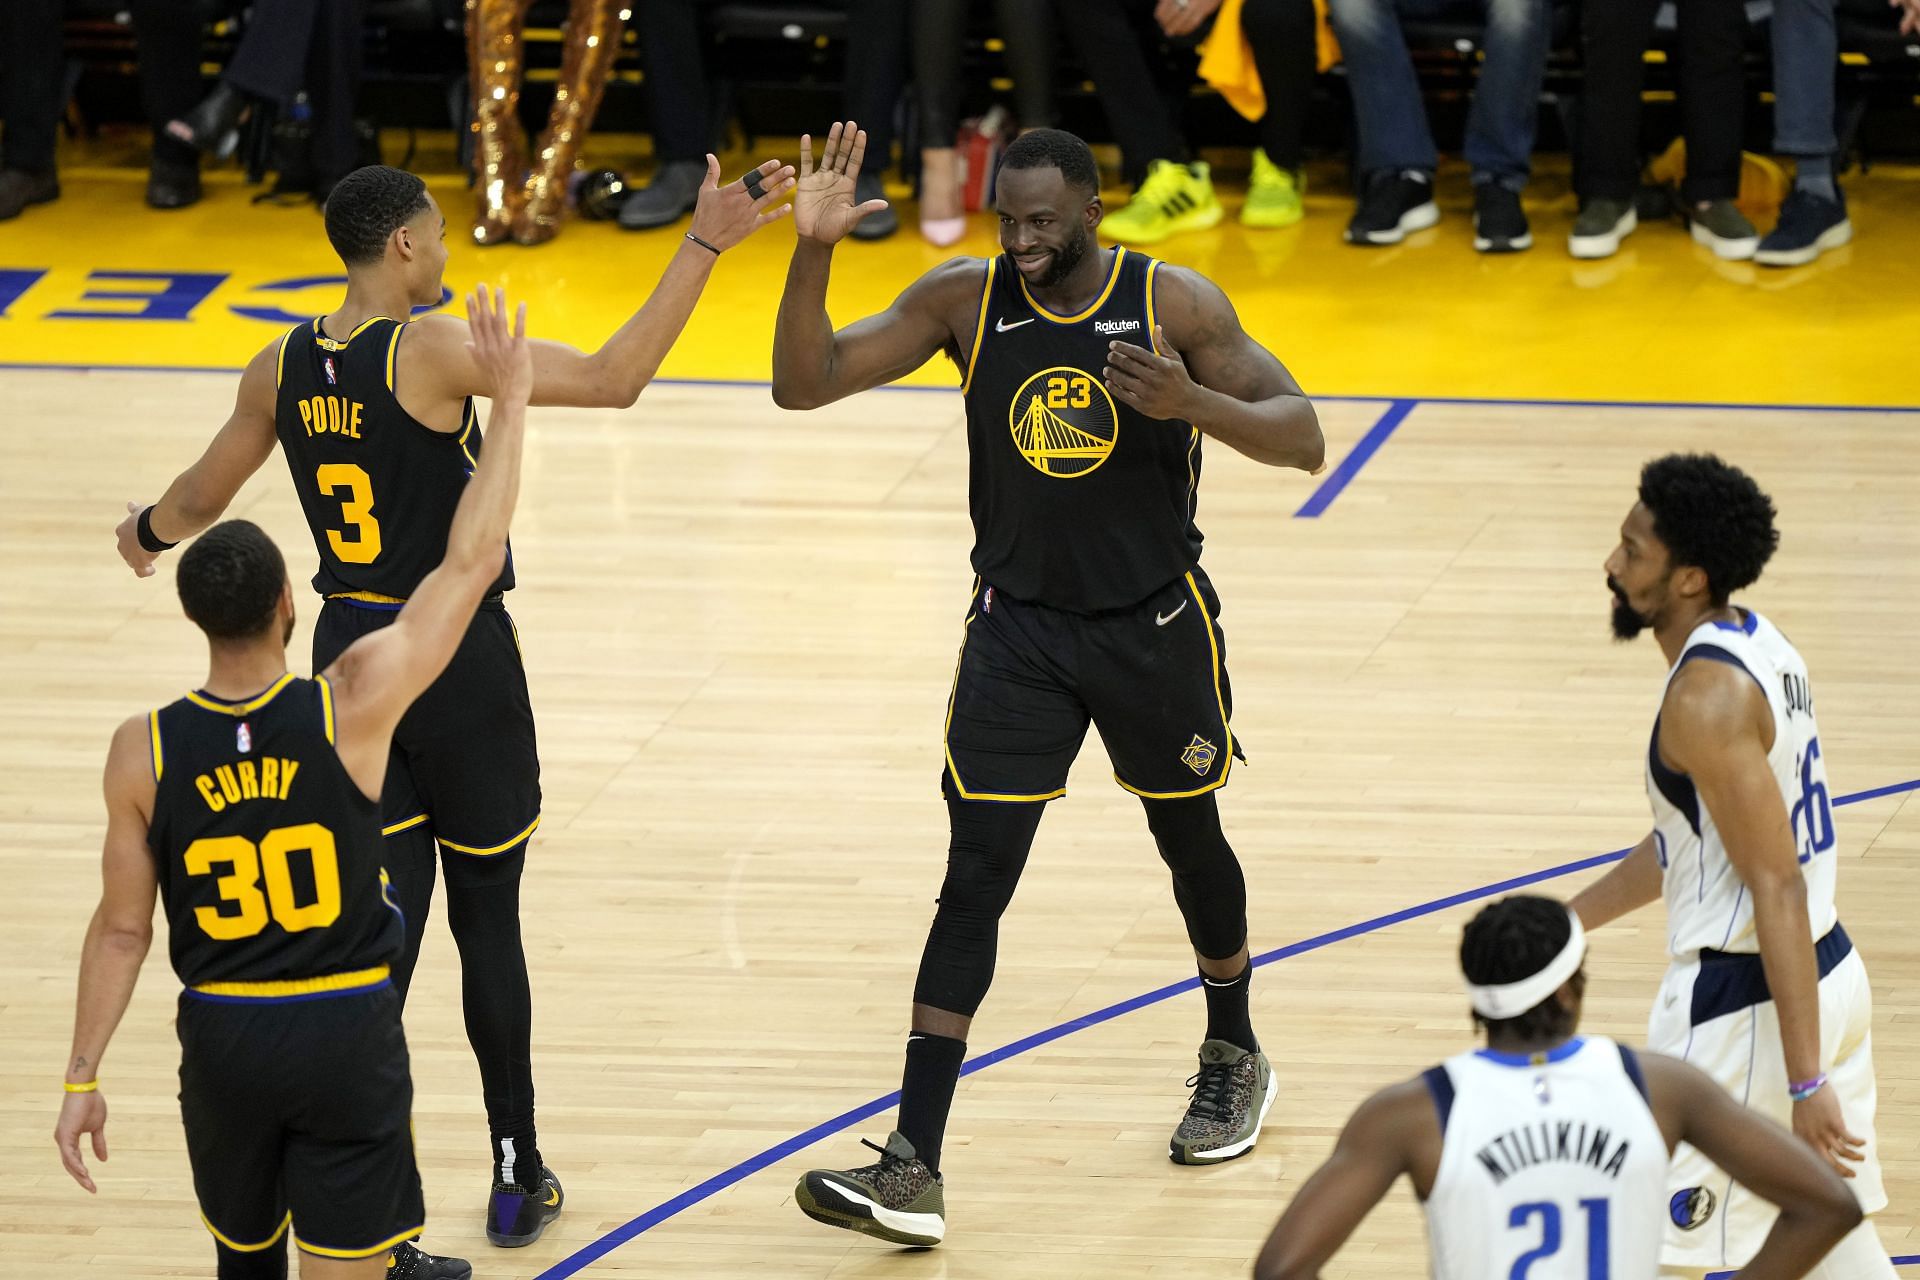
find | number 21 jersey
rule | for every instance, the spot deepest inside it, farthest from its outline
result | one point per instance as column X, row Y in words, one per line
column 378, row 487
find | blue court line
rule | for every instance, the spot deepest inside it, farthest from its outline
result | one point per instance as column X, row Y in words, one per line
column 1356, row 458
column 719, row 1182
column 1492, row 401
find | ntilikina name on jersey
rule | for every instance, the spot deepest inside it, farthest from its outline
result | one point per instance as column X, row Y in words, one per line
column 1549, row 1142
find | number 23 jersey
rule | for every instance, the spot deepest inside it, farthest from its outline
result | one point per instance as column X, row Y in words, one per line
column 269, row 857
column 378, row 487
column 1079, row 501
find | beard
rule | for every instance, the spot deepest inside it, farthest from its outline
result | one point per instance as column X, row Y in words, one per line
column 1065, row 259
column 1627, row 621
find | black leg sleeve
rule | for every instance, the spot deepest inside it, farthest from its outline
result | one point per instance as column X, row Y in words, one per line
column 990, row 843
column 1207, row 881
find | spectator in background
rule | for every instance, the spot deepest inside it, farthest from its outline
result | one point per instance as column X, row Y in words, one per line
column 1806, row 50
column 680, row 98
column 1607, row 159
column 30, row 103
column 939, row 36
column 1144, row 96
column 288, row 47
column 167, row 36
column 1262, row 56
column 1396, row 159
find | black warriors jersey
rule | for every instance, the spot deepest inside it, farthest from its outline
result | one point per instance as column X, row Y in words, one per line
column 1079, row 502
column 378, row 487
column 269, row 856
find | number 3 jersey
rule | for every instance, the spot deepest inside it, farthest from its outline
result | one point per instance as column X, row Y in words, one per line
column 1707, row 904
column 378, row 487
column 1079, row 501
column 269, row 856
column 1552, row 1167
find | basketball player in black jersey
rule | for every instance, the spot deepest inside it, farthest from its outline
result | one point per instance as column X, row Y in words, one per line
column 1090, row 376
column 375, row 415
column 250, row 806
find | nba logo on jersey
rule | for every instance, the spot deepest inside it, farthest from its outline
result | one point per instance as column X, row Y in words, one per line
column 243, row 738
column 333, row 378
column 986, row 605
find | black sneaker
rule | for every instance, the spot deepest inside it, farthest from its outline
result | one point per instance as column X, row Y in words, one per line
column 1809, row 225
column 897, row 1199
column 1392, row 203
column 875, row 226
column 409, row 1261
column 1499, row 223
column 1600, row 228
column 517, row 1215
column 1724, row 229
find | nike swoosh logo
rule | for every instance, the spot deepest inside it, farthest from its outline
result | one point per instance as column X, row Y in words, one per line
column 1162, row 619
column 1001, row 326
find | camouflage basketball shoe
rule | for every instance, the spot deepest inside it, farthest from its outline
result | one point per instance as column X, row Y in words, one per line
column 1232, row 1093
column 898, row 1199
column 516, row 1215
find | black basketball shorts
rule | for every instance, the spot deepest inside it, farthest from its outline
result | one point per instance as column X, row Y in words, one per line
column 1152, row 677
column 464, row 761
column 299, row 1114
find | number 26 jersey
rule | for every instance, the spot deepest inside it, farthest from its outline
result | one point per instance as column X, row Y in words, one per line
column 378, row 487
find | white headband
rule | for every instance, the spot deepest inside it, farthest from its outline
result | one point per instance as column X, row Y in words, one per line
column 1511, row 999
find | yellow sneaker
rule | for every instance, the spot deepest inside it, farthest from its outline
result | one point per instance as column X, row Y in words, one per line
column 1174, row 198
column 1273, row 195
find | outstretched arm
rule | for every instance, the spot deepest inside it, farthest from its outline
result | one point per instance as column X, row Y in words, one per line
column 1375, row 1148
column 200, row 494
column 1716, row 728
column 117, row 942
column 1205, row 369
column 1816, row 1209
column 380, row 675
column 613, row 377
column 812, row 364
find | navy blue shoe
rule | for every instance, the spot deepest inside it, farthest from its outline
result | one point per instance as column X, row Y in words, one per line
column 516, row 1215
column 1809, row 225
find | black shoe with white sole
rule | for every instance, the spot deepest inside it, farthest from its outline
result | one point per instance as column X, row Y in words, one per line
column 516, row 1215
column 1600, row 227
column 1393, row 203
column 1809, row 226
column 1499, row 223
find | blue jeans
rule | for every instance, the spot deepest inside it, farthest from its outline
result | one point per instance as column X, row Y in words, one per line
column 1390, row 116
column 1806, row 49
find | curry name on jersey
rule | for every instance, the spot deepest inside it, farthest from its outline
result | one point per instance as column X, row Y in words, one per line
column 269, row 855
column 1707, row 903
column 1079, row 501
column 1552, row 1166
column 378, row 487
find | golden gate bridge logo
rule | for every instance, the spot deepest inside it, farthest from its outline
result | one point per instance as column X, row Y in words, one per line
column 1063, row 422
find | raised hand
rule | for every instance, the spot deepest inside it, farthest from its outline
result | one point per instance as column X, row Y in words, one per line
column 723, row 216
column 823, row 207
column 502, row 355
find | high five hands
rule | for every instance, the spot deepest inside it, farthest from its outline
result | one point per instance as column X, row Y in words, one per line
column 723, row 216
column 823, row 205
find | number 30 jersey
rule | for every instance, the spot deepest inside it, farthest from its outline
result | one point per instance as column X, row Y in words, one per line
column 1707, row 904
column 269, row 857
column 378, row 487
column 1552, row 1166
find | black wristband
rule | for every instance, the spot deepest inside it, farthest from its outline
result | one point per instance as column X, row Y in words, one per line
column 149, row 540
column 703, row 244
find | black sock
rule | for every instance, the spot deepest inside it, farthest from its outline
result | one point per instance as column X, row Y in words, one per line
column 926, row 1092
column 1227, row 1015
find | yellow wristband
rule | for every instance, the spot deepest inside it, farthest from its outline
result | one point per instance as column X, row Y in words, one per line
column 88, row 1087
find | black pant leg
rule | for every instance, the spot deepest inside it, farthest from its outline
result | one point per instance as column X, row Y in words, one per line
column 335, row 54
column 939, row 27
column 271, row 61
column 1284, row 52
column 678, row 91
column 168, row 37
column 1111, row 43
column 30, row 83
column 876, row 73
column 1027, row 28
column 1614, row 36
column 1713, row 95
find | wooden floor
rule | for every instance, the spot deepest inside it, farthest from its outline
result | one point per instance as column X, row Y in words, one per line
column 740, row 627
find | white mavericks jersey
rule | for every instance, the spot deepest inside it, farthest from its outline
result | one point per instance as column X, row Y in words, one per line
column 1707, row 904
column 1551, row 1167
